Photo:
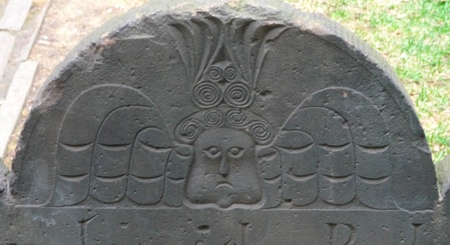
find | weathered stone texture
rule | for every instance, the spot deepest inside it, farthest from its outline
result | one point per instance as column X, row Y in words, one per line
column 223, row 123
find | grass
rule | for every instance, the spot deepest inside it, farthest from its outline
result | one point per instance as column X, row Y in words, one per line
column 414, row 36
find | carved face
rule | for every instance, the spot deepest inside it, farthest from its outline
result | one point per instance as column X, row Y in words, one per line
column 224, row 169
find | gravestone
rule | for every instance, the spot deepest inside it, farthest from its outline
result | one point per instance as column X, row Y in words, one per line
column 236, row 122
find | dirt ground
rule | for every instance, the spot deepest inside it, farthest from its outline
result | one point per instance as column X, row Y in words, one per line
column 66, row 23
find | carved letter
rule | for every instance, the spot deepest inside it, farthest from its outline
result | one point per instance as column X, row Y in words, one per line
column 415, row 236
column 341, row 234
column 83, row 229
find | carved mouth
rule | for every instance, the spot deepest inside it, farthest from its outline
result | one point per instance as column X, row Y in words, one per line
column 224, row 184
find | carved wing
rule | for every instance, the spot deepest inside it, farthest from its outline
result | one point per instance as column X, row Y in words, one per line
column 112, row 146
column 334, row 148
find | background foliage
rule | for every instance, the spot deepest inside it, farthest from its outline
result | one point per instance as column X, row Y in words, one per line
column 414, row 36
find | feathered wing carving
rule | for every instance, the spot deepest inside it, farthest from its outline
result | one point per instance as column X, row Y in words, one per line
column 112, row 144
column 335, row 147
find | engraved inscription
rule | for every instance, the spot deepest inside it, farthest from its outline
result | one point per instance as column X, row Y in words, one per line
column 83, row 229
column 341, row 234
column 416, row 227
column 245, row 232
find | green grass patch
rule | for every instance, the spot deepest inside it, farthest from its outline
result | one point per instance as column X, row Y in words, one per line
column 414, row 36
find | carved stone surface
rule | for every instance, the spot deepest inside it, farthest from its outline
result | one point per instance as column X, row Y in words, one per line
column 223, row 123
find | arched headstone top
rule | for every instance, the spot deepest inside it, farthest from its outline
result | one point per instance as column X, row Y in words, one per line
column 227, row 107
column 306, row 93
column 147, row 20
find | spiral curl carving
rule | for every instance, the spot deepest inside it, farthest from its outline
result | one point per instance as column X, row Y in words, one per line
column 260, row 131
column 215, row 74
column 213, row 118
column 207, row 94
column 230, row 74
column 190, row 129
column 238, row 94
column 236, row 118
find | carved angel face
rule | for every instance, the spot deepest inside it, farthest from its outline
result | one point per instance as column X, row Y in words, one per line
column 224, row 169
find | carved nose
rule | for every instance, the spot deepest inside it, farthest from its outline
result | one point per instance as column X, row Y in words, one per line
column 224, row 167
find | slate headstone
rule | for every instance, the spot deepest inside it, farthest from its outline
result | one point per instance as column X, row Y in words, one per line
column 236, row 122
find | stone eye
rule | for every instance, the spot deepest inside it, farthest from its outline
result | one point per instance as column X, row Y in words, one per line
column 212, row 152
column 235, row 152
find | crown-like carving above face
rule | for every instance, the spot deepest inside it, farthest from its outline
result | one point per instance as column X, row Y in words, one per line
column 257, row 127
column 222, row 83
column 223, row 60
